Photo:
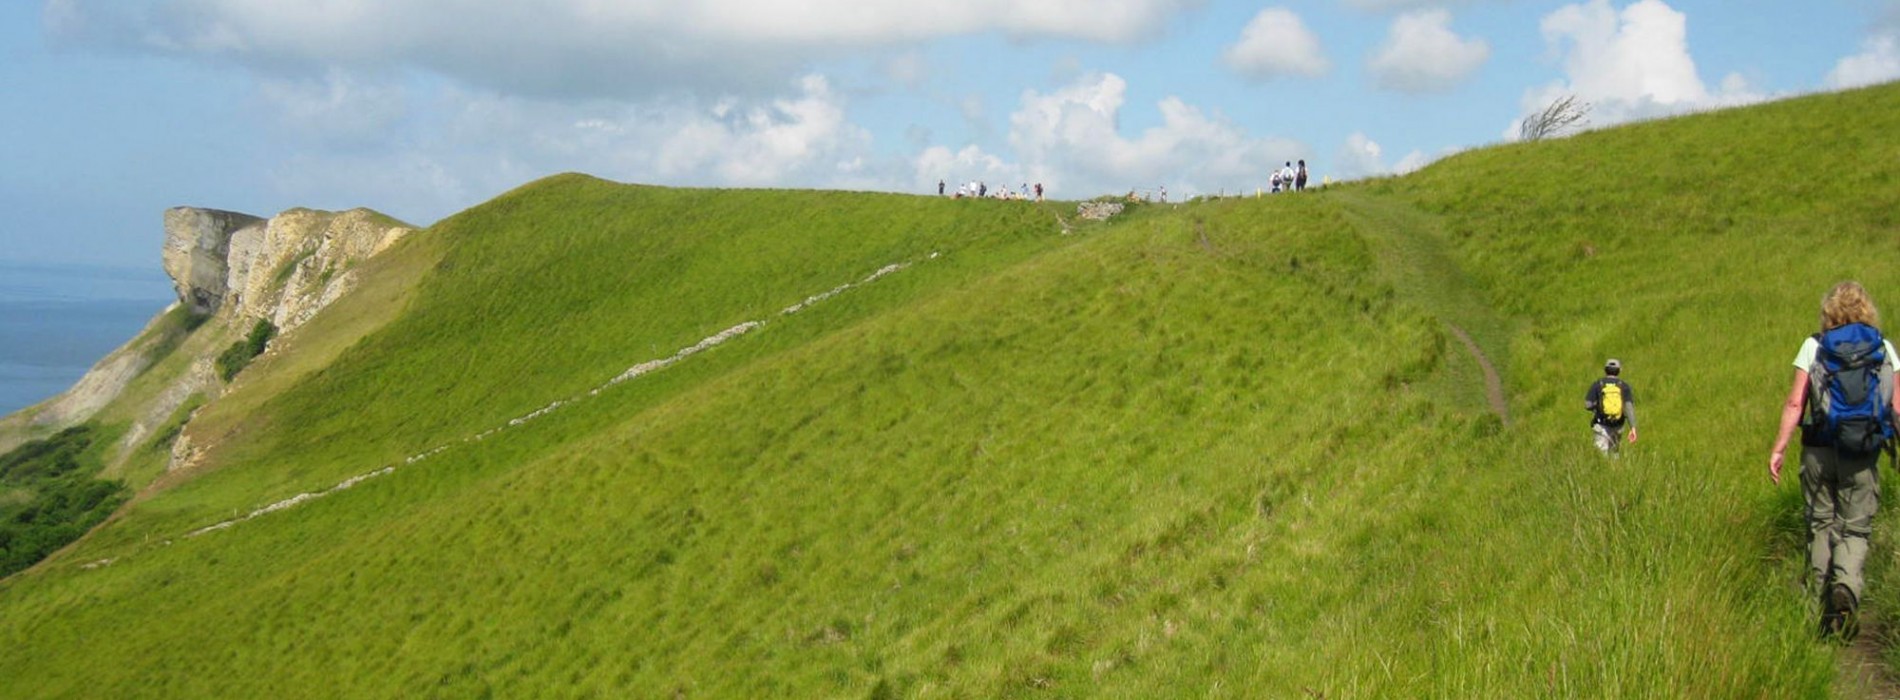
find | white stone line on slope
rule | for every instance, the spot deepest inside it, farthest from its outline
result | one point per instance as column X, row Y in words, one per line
column 637, row 370
column 293, row 501
column 655, row 365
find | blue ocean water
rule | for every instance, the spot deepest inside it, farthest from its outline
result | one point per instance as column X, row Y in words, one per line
column 57, row 320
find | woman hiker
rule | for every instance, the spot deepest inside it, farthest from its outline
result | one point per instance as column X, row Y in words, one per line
column 1839, row 480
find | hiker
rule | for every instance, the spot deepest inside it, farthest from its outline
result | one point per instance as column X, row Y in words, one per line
column 1299, row 178
column 940, row 188
column 1612, row 406
column 1038, row 191
column 1273, row 182
column 1286, row 177
column 1843, row 399
column 1164, row 194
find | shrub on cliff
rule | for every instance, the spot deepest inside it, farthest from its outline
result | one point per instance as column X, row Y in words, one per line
column 236, row 357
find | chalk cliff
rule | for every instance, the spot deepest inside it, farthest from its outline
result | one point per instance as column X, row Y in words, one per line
column 283, row 269
column 230, row 269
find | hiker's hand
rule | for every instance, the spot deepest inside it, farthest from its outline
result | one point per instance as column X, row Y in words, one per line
column 1774, row 467
column 1632, row 437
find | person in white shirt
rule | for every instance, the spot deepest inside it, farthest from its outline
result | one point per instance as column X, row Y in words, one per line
column 1839, row 478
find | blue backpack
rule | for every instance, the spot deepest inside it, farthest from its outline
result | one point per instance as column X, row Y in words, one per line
column 1851, row 390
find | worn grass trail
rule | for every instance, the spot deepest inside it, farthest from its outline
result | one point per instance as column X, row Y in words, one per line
column 1413, row 252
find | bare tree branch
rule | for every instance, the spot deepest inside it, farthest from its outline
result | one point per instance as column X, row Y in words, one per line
column 1566, row 113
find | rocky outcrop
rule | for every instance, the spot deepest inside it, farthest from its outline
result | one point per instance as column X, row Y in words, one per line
column 200, row 379
column 283, row 269
column 197, row 243
column 1098, row 211
column 297, row 263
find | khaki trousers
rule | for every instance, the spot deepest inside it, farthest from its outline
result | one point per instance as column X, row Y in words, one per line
column 1609, row 440
column 1842, row 493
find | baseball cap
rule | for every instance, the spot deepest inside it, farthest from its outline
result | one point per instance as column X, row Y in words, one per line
column 1613, row 365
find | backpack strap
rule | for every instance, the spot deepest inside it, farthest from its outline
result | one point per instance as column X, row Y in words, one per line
column 1814, row 409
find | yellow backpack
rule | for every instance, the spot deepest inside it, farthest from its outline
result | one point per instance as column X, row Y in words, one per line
column 1611, row 406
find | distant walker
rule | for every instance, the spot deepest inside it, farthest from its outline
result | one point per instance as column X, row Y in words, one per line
column 1612, row 406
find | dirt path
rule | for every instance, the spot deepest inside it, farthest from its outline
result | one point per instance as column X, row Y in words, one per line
column 1863, row 673
column 1413, row 255
column 1493, row 385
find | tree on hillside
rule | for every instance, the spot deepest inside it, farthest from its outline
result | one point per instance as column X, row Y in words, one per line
column 1563, row 114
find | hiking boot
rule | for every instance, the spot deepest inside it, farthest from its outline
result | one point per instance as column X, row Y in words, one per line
column 1844, row 609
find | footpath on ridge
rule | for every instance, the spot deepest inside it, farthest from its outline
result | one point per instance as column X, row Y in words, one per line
column 1411, row 247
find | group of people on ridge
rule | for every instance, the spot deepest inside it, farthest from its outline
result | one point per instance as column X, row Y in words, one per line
column 1843, row 401
column 1287, row 179
column 980, row 189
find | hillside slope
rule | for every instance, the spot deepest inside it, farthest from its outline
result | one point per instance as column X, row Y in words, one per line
column 1229, row 449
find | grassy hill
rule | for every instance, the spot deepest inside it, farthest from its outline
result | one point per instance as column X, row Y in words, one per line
column 1236, row 448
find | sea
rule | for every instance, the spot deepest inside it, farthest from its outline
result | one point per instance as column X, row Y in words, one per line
column 57, row 320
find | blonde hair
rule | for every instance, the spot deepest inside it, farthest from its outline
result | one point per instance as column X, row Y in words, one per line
column 1848, row 303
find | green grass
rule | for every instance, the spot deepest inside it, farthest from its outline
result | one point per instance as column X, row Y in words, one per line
column 1226, row 449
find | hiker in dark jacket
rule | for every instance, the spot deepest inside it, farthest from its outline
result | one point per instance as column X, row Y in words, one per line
column 1612, row 406
column 1840, row 485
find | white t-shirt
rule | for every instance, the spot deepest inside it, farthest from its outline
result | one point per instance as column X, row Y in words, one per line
column 1804, row 359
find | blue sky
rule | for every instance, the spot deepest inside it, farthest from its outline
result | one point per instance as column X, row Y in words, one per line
column 117, row 109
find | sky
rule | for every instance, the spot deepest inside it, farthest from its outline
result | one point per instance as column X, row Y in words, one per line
column 117, row 109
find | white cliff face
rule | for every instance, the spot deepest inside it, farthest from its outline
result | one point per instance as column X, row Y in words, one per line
column 288, row 268
column 282, row 269
column 197, row 242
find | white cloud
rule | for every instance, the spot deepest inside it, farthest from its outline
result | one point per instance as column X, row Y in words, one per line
column 1422, row 54
column 1632, row 64
column 1877, row 62
column 581, row 48
column 474, row 144
column 1276, row 44
column 803, row 136
column 1412, row 162
column 954, row 168
column 1361, row 157
column 1069, row 139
